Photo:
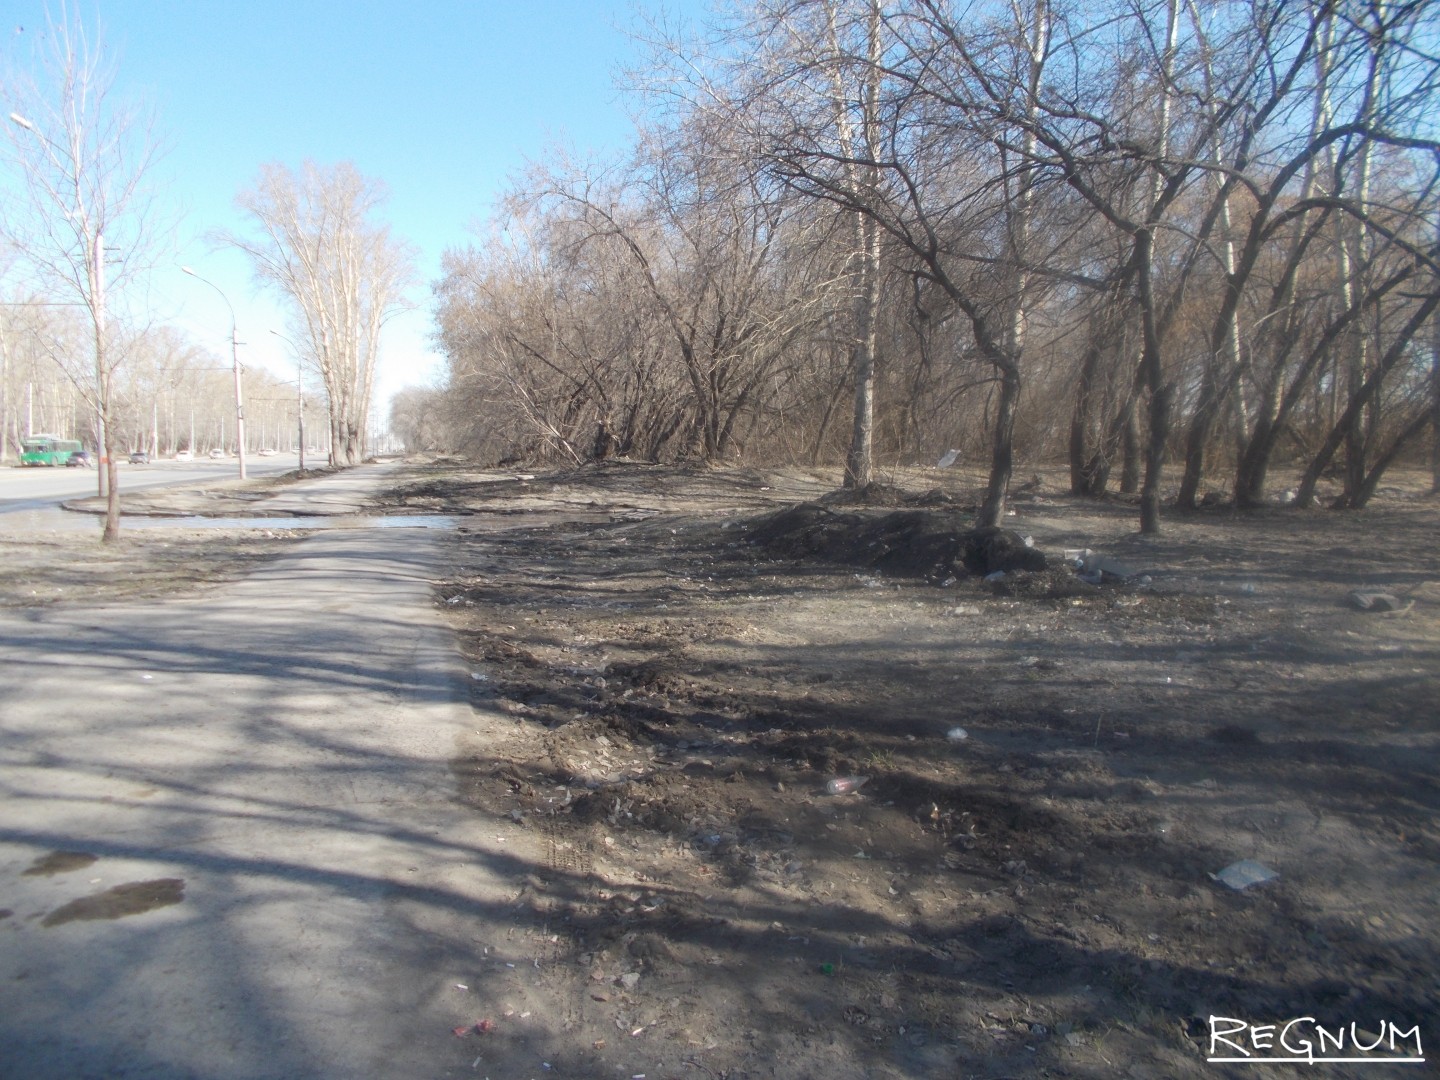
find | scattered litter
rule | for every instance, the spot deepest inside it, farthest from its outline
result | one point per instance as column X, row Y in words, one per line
column 948, row 458
column 957, row 734
column 1109, row 569
column 479, row 676
column 629, row 980
column 479, row 1027
column 461, row 986
column 147, row 677
column 1245, row 873
column 1365, row 600
column 1249, row 589
column 998, row 575
column 457, row 598
column 846, row 785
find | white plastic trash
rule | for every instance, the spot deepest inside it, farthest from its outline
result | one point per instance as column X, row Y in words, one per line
column 1245, row 873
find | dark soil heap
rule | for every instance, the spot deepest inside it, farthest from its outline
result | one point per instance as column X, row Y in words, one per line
column 931, row 544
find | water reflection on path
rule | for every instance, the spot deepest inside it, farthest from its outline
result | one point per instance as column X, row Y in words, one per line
column 52, row 519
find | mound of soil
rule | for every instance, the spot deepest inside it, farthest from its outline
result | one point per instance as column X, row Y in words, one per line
column 931, row 544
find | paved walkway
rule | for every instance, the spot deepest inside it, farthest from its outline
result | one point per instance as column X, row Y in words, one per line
column 277, row 751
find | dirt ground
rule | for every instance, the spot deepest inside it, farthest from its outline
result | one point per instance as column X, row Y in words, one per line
column 73, row 565
column 1049, row 774
column 1041, row 776
column 76, row 568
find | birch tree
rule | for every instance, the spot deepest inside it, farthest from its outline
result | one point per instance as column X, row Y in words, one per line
column 343, row 274
column 79, row 216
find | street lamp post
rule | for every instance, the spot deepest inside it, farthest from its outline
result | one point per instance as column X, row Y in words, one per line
column 299, row 393
column 235, row 363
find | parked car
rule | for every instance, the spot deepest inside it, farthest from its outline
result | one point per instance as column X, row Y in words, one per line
column 139, row 457
column 80, row 459
column 184, row 455
column 217, row 453
column 268, row 452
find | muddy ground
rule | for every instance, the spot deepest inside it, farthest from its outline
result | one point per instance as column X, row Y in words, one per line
column 1050, row 773
column 1045, row 774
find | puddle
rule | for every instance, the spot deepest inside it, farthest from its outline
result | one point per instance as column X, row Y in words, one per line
column 132, row 898
column 53, row 519
column 338, row 521
column 59, row 862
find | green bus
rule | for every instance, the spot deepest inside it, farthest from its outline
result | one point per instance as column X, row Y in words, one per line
column 47, row 450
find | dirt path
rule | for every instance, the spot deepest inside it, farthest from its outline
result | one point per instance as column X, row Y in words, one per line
column 1022, row 885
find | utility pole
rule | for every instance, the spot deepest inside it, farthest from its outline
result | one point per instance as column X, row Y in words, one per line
column 102, row 466
column 235, row 363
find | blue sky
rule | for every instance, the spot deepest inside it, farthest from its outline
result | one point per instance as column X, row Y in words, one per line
column 443, row 101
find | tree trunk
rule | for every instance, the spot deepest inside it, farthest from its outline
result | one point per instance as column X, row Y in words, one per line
column 1372, row 479
column 1197, row 439
column 859, row 461
column 1355, row 411
column 1002, row 456
column 1160, row 394
column 1160, row 405
column 111, row 470
column 1128, row 422
column 1082, row 473
column 1435, row 405
column 1254, row 464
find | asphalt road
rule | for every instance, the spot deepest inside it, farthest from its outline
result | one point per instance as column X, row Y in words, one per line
column 29, row 488
column 229, row 840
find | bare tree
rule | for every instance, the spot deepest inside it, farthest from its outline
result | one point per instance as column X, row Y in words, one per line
column 82, row 225
column 925, row 166
column 1167, row 222
column 344, row 275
